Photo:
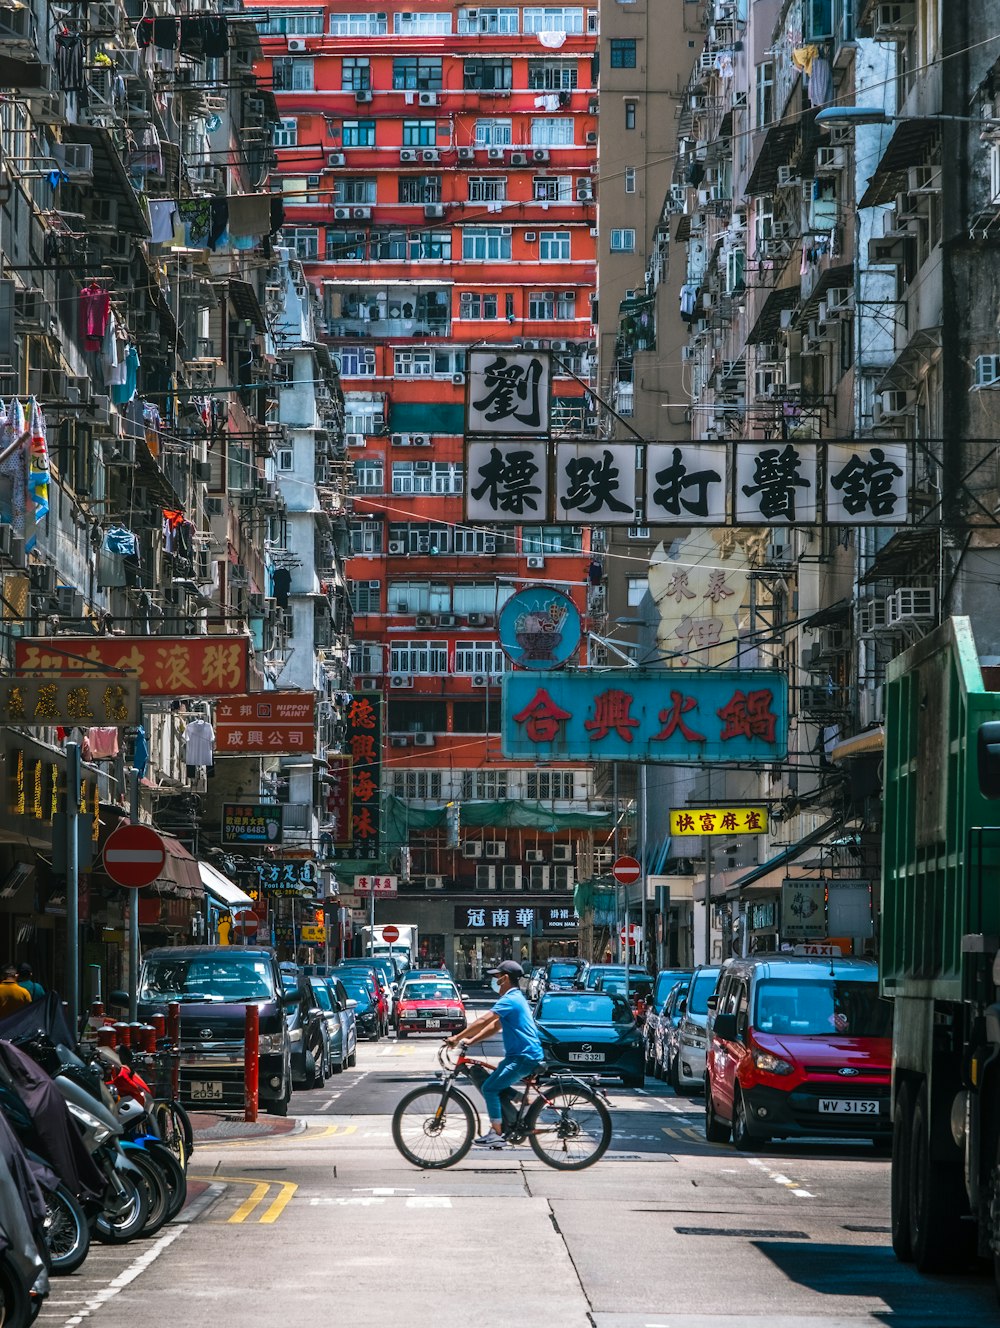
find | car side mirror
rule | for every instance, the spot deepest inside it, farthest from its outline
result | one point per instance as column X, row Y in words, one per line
column 712, row 1001
column 289, row 998
column 682, row 1005
column 725, row 1028
column 352, row 1004
column 394, row 988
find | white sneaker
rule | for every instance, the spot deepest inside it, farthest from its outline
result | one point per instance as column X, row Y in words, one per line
column 490, row 1141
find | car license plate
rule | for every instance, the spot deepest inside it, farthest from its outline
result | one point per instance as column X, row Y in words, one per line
column 206, row 1090
column 848, row 1106
column 586, row 1055
column 433, row 1023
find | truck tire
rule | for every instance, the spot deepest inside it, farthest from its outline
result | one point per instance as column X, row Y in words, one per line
column 899, row 1201
column 939, row 1237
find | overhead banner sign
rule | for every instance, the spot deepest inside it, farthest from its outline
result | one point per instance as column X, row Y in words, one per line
column 164, row 665
column 252, row 823
column 265, row 724
column 719, row 821
column 382, row 887
column 364, row 746
column 296, row 877
column 803, row 910
column 508, row 393
column 68, row 703
column 539, row 628
column 527, row 921
column 646, row 715
column 340, row 781
column 746, row 483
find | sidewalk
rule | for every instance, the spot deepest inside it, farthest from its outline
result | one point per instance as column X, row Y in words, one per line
column 210, row 1125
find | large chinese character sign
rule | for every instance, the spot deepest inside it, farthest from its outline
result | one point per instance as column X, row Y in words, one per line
column 776, row 484
column 596, row 482
column 508, row 482
column 364, row 746
column 508, row 393
column 693, row 717
column 686, row 484
column 866, row 483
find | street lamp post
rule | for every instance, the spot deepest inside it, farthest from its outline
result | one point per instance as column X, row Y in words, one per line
column 849, row 117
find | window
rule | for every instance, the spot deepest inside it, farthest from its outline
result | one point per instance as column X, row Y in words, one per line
column 479, row 657
column 482, row 244
column 361, row 416
column 286, row 458
column 552, row 75
column 487, row 20
column 353, row 189
column 428, row 363
column 366, row 537
column 416, row 73
column 553, row 188
column 365, row 595
column 420, row 188
column 623, row 241
column 555, row 132
column 469, row 539
column 285, row 133
column 355, row 74
column 622, row 53
column 472, row 304
column 557, row 19
column 541, row 304
column 551, row 539
column 304, row 240
column 484, row 785
column 423, row 537
column 418, row 597
column 355, row 133
column 765, row 93
column 630, row 114
column 429, row 245
column 369, row 475
column 423, row 24
column 554, row 246
column 818, row 15
column 426, row 657
column 487, row 188
column 544, row 785
column 358, row 25
column 345, row 246
column 636, row 589
column 428, row 477
column 481, row 597
column 292, row 23
column 419, row 133
column 488, row 75
column 292, row 75
column 297, row 189
column 356, row 361
column 493, row 134
column 735, row 267
column 422, row 784
column 366, row 658
column 630, row 179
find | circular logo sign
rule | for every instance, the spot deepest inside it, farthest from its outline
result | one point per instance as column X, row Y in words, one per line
column 539, row 628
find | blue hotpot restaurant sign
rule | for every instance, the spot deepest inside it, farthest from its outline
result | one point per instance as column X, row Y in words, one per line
column 539, row 628
column 646, row 715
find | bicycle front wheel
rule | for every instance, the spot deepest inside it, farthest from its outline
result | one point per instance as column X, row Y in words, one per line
column 568, row 1126
column 432, row 1129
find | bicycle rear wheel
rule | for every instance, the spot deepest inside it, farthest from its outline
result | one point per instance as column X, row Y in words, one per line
column 432, row 1130
column 174, row 1128
column 568, row 1126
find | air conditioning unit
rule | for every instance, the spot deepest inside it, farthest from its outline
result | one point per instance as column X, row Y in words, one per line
column 787, row 177
column 42, row 579
column 889, row 22
column 494, row 154
column 399, row 740
column 562, row 853
column 838, row 299
column 420, row 440
column 433, row 882
column 458, row 379
column 425, row 620
column 430, row 154
column 496, row 848
column 423, row 739
column 910, row 604
column 872, row 617
column 69, row 602
column 472, row 848
column 592, row 136
column 399, row 440
column 336, row 159
column 519, row 159
column 536, row 562
column 434, row 211
column 361, row 213
column 478, row 620
column 297, row 44
column 355, row 440
column 924, row 179
column 821, row 700
column 467, row 154
column 540, row 154
column 408, row 154
column 987, row 370
column 342, row 214
column 889, row 250
column 890, row 405
column 447, row 620
column 584, row 193
column 871, row 706
column 362, row 96
column 830, row 159
column 397, row 547
column 427, row 99
column 400, row 680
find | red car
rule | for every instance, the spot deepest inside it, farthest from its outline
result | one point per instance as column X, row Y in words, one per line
column 799, row 1046
column 429, row 1005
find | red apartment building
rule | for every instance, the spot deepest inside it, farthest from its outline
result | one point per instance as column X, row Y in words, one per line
column 438, row 169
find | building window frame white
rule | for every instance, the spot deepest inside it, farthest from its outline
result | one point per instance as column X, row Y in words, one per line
column 552, row 131
column 494, row 133
column 555, row 246
column 623, row 240
column 555, row 18
column 285, row 133
column 487, row 244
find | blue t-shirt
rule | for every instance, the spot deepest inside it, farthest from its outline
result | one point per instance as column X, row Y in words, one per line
column 520, row 1036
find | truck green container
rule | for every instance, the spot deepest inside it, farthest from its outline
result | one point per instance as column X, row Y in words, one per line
column 938, row 952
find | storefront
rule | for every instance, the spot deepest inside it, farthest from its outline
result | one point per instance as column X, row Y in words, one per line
column 485, row 934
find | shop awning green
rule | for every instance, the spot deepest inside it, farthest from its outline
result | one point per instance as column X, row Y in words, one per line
column 400, row 817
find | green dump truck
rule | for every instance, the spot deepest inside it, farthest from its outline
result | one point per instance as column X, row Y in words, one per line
column 940, row 948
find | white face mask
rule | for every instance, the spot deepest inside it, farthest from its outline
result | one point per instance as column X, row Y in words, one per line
column 495, row 984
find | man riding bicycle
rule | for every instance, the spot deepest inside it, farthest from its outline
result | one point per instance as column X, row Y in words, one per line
column 523, row 1052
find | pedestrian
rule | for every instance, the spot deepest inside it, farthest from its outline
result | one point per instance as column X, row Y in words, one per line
column 521, row 1045
column 26, row 979
column 12, row 995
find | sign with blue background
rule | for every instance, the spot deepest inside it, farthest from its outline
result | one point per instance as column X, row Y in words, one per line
column 668, row 715
column 539, row 628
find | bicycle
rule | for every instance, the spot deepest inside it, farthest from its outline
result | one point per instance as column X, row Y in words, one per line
column 562, row 1117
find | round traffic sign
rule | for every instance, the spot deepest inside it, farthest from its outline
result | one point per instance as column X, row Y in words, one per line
column 134, row 856
column 390, row 934
column 626, row 871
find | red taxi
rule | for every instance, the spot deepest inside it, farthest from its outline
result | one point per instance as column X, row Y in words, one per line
column 428, row 1004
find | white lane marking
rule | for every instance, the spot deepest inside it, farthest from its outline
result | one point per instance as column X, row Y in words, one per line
column 429, row 1201
column 780, row 1178
column 342, row 1201
column 135, row 1269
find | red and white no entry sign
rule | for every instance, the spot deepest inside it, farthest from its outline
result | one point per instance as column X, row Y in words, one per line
column 634, row 933
column 626, row 870
column 134, row 856
column 390, row 934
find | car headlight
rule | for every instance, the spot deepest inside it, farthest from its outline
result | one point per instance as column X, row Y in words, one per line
column 269, row 1043
column 409, row 1014
column 691, row 1039
column 764, row 1060
column 97, row 1128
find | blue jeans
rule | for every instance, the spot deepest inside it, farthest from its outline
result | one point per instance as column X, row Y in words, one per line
column 508, row 1072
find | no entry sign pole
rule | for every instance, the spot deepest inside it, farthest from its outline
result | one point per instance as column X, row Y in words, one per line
column 133, row 910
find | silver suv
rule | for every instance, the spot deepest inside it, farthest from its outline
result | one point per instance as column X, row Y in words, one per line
column 687, row 1068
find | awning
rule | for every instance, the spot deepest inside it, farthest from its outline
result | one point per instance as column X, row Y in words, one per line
column 912, row 362
column 246, row 304
column 768, row 322
column 222, row 889
column 909, row 553
column 783, row 858
column 775, row 147
column 110, row 177
column 180, row 869
column 832, row 615
column 907, row 147
column 862, row 744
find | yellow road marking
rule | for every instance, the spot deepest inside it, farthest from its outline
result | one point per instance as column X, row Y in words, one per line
column 288, row 1188
column 249, row 1204
column 673, row 1133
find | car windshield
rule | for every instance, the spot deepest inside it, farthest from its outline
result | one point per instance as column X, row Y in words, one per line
column 289, row 981
column 322, row 996
column 560, row 972
column 602, row 972
column 665, row 983
column 814, row 1008
column 216, row 978
column 428, row 991
column 701, row 988
column 583, row 1008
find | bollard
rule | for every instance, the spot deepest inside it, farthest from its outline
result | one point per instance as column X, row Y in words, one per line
column 148, row 1038
column 174, row 1036
column 135, row 1036
column 251, row 1063
column 97, row 1010
column 106, row 1037
column 124, row 1035
column 159, row 1023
